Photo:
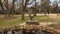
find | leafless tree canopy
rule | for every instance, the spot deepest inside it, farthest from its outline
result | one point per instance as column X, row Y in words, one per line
column 11, row 7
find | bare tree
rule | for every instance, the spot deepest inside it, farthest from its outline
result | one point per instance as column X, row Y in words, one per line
column 24, row 5
column 33, row 9
column 13, row 9
column 45, row 6
column 55, row 6
column 7, row 8
column 1, row 4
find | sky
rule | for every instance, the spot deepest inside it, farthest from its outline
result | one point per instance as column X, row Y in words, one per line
column 57, row 1
column 17, row 3
column 51, row 0
column 37, row 0
column 31, row 0
column 39, row 3
column 31, row 4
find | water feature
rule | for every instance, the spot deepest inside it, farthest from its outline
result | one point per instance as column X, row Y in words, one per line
column 25, row 32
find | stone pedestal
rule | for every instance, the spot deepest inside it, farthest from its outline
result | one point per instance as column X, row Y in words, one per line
column 32, row 22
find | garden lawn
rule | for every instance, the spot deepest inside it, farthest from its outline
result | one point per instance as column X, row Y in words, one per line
column 15, row 21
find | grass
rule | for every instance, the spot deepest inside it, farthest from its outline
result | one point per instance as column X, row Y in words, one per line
column 44, row 19
column 9, row 22
column 17, row 20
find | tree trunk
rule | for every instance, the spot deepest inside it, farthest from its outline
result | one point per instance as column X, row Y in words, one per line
column 35, row 8
column 23, row 14
column 6, row 14
column 9, row 14
column 30, row 16
column 13, row 8
column 23, row 10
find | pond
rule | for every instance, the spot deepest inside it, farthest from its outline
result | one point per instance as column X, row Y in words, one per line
column 24, row 32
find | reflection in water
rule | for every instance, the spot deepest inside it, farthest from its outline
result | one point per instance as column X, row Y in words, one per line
column 1, row 33
column 9, row 32
column 21, row 32
column 40, row 32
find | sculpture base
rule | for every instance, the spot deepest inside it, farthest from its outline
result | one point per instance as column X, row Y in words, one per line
column 32, row 22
